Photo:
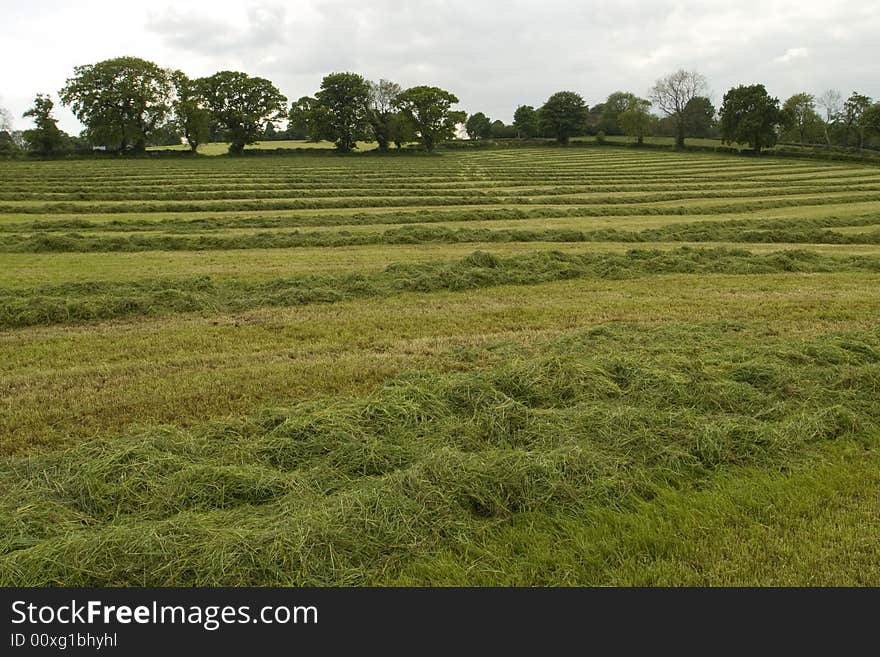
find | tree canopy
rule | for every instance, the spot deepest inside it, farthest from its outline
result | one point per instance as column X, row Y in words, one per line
column 749, row 115
column 121, row 100
column 563, row 116
column 344, row 98
column 672, row 95
column 45, row 138
column 636, row 120
column 799, row 115
column 478, row 126
column 430, row 111
column 525, row 120
column 192, row 118
column 381, row 111
column 241, row 105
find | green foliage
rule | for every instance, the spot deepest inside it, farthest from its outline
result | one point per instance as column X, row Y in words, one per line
column 478, row 126
column 305, row 119
column 121, row 100
column 699, row 118
column 241, row 105
column 342, row 104
column 636, row 120
column 381, row 113
column 617, row 103
column 429, row 109
column 192, row 117
column 46, row 138
column 853, row 110
column 750, row 116
column 563, row 116
column 871, row 120
column 525, row 120
column 799, row 116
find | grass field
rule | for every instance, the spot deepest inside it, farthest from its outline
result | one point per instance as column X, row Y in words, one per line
column 521, row 366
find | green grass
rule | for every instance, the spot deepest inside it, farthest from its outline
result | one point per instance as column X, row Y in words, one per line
column 529, row 366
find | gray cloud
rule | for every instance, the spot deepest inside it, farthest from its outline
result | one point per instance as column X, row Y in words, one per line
column 494, row 55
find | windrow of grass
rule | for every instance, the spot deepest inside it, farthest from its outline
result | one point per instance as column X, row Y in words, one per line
column 96, row 300
column 351, row 491
column 806, row 231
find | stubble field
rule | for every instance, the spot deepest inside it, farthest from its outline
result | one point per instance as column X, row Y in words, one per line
column 516, row 366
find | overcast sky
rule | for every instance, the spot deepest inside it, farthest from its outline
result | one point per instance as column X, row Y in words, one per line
column 493, row 55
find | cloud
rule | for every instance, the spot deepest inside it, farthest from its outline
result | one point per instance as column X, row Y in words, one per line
column 793, row 54
column 492, row 55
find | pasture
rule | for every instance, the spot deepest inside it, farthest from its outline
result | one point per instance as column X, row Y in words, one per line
column 514, row 366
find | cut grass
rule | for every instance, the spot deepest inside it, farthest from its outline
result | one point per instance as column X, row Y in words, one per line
column 344, row 493
column 76, row 302
column 575, row 412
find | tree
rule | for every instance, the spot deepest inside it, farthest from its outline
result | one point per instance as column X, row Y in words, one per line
column 830, row 102
column 636, row 120
column 478, row 126
column 241, row 105
column 500, row 130
column 750, row 116
column 430, row 111
column 401, row 129
column 344, row 98
column 871, row 120
column 799, row 114
column 45, row 138
column 617, row 102
column 303, row 117
column 381, row 110
column 853, row 109
column 120, row 100
column 563, row 116
column 193, row 119
column 699, row 115
column 525, row 120
column 672, row 95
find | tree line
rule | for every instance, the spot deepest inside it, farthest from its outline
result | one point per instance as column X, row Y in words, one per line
column 128, row 103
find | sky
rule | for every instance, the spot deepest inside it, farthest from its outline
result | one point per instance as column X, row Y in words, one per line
column 493, row 55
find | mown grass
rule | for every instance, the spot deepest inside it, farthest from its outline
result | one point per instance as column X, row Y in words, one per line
column 347, row 491
column 90, row 301
column 492, row 367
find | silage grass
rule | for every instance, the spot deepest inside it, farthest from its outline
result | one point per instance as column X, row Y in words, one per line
column 346, row 491
column 97, row 300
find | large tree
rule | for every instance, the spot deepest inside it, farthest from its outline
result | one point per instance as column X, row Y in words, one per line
column 672, row 95
column 121, row 100
column 749, row 115
column 430, row 111
column 241, row 105
column 344, row 98
column 831, row 103
column 871, row 120
column 525, row 120
column 799, row 115
column 381, row 111
column 617, row 102
column 45, row 138
column 478, row 126
column 699, row 114
column 563, row 116
column 304, row 118
column 192, row 117
column 636, row 120
column 853, row 109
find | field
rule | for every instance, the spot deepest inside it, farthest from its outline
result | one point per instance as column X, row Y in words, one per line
column 519, row 366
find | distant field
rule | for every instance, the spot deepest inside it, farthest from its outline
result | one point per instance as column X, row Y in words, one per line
column 216, row 148
column 515, row 366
